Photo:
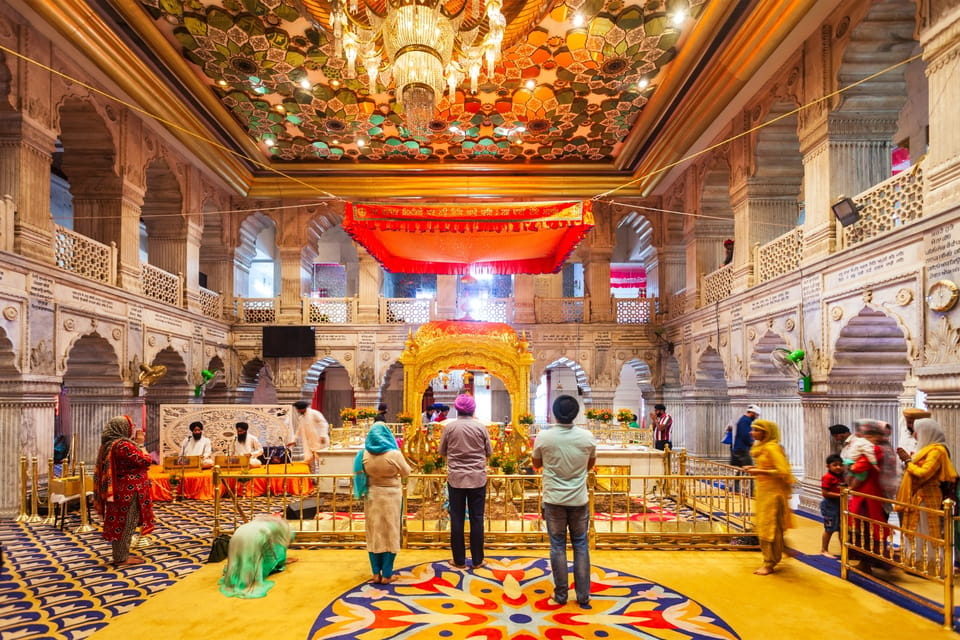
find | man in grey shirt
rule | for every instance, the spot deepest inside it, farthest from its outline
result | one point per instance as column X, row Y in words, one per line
column 566, row 454
column 465, row 444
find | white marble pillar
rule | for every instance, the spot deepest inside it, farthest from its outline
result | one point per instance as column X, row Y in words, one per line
column 940, row 39
column 91, row 407
column 26, row 152
column 26, row 429
column 370, row 284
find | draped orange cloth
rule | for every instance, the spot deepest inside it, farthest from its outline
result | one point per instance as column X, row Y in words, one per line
column 459, row 239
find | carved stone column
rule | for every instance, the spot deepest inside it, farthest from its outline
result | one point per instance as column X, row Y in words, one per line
column 523, row 299
column 446, row 297
column 91, row 407
column 843, row 154
column 26, row 152
column 291, row 280
column 370, row 283
column 940, row 39
column 26, row 429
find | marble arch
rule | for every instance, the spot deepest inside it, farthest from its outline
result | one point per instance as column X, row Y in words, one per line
column 490, row 346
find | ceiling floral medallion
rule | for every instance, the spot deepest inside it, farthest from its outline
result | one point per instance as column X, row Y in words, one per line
column 283, row 69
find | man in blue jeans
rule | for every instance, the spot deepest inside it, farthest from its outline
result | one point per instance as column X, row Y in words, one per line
column 566, row 454
column 466, row 445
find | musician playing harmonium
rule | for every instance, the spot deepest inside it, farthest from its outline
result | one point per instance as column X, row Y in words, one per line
column 247, row 443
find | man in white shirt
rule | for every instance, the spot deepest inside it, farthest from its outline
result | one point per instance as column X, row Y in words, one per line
column 197, row 445
column 313, row 432
column 247, row 443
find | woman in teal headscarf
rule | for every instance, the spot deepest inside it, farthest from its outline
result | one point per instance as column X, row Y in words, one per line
column 378, row 470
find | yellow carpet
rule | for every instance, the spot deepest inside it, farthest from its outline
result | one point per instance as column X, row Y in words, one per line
column 796, row 602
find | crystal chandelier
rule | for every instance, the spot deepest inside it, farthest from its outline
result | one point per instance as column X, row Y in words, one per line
column 425, row 45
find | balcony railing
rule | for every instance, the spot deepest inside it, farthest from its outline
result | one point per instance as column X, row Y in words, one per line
column 891, row 204
column 211, row 303
column 161, row 285
column 329, row 310
column 85, row 257
column 257, row 310
column 717, row 285
column 635, row 310
column 779, row 256
column 489, row 309
column 406, row 310
column 557, row 310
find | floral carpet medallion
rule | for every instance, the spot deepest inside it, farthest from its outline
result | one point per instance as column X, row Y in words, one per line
column 509, row 599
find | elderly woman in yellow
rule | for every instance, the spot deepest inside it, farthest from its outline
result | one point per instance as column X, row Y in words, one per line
column 920, row 486
column 774, row 480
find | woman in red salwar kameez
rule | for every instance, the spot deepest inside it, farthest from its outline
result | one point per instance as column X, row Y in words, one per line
column 122, row 488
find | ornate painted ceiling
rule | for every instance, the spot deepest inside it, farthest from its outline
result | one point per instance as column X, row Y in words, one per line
column 587, row 97
column 559, row 93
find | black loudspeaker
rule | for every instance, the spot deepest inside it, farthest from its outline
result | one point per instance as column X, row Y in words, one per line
column 307, row 505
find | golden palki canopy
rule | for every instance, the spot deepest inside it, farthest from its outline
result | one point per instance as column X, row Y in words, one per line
column 451, row 344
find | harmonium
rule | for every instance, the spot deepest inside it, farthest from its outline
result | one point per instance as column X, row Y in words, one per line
column 232, row 462
column 181, row 463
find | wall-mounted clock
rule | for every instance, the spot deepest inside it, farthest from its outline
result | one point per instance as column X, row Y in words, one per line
column 942, row 295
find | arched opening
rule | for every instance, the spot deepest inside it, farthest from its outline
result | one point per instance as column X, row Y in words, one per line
column 327, row 385
column 706, row 409
column 561, row 377
column 95, row 391
column 174, row 387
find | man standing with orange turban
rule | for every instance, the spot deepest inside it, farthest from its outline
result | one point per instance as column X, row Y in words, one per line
column 465, row 444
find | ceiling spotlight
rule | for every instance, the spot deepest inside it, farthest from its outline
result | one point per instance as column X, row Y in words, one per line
column 269, row 142
column 678, row 17
column 577, row 20
column 643, row 83
column 360, row 142
column 305, row 83
column 531, row 83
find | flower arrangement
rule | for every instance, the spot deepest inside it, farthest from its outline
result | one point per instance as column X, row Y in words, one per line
column 404, row 417
column 603, row 415
column 525, row 418
column 624, row 415
column 364, row 413
column 348, row 414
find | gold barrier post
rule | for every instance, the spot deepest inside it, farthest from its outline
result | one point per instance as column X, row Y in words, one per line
column 35, row 492
column 22, row 516
column 949, row 554
column 51, row 517
column 85, row 526
column 844, row 532
column 216, row 501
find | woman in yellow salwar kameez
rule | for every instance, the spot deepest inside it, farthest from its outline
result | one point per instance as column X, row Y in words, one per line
column 921, row 486
column 774, row 482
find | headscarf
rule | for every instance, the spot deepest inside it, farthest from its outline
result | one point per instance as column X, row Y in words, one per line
column 771, row 439
column 118, row 429
column 928, row 432
column 929, row 437
column 379, row 440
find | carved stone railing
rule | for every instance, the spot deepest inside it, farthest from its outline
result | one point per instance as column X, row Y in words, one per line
column 717, row 285
column 779, row 256
column 893, row 203
column 636, row 310
column 556, row 310
column 211, row 303
column 406, row 310
column 257, row 310
column 161, row 285
column 329, row 310
column 676, row 303
column 84, row 256
column 489, row 309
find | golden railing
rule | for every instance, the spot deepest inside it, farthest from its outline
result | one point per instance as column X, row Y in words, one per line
column 660, row 511
column 922, row 554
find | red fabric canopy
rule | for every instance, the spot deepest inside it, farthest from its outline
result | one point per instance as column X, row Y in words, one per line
column 458, row 239
column 628, row 277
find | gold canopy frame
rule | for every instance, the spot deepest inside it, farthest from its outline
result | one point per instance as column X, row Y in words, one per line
column 451, row 344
